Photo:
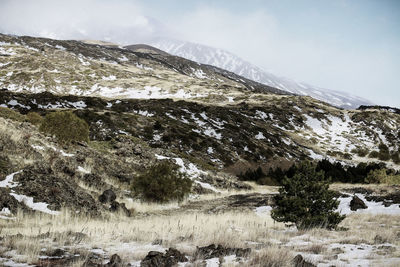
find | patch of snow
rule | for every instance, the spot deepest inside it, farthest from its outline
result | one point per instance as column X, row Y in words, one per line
column 210, row 150
column 83, row 170
column 199, row 73
column 260, row 136
column 109, row 78
column 78, row 104
column 208, row 186
column 60, row 47
column 263, row 210
column 212, row 133
column 123, row 58
column 8, row 182
column 83, row 61
column 145, row 113
column 39, row 206
column 372, row 207
column 14, row 103
column 37, row 147
column 61, row 151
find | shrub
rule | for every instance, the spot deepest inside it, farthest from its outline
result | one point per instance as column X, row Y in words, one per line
column 373, row 154
column 34, row 118
column 162, row 183
column 8, row 113
column 376, row 176
column 66, row 126
column 252, row 175
column 360, row 152
column 306, row 201
column 396, row 157
column 4, row 165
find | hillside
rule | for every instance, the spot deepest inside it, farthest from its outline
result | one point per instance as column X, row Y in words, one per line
column 226, row 60
column 74, row 203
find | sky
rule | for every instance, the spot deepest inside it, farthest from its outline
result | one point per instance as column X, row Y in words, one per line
column 345, row 45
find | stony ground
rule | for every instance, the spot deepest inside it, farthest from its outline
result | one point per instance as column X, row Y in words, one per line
column 229, row 228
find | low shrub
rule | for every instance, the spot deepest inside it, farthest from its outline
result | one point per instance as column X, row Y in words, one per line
column 252, row 175
column 381, row 176
column 8, row 113
column 376, row 176
column 360, row 152
column 4, row 165
column 34, row 118
column 66, row 126
column 162, row 182
column 396, row 157
column 373, row 154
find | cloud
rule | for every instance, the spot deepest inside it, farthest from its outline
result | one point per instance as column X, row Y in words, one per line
column 119, row 21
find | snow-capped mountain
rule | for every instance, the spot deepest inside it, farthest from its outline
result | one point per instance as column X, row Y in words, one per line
column 226, row 60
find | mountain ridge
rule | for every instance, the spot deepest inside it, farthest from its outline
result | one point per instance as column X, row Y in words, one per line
column 227, row 60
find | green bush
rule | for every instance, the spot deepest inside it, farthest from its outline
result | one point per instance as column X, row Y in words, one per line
column 374, row 154
column 376, row 176
column 396, row 157
column 8, row 113
column 162, row 183
column 34, row 118
column 66, row 126
column 360, row 152
column 306, row 201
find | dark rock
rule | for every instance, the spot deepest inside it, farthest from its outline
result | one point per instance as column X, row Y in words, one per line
column 8, row 201
column 356, row 203
column 213, row 251
column 119, row 207
column 54, row 188
column 108, row 196
column 158, row 259
column 115, row 261
column 299, row 261
column 56, row 253
column 93, row 260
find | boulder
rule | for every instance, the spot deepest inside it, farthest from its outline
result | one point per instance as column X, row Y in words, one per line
column 167, row 259
column 356, row 203
column 119, row 207
column 299, row 261
column 115, row 261
column 108, row 196
column 213, row 251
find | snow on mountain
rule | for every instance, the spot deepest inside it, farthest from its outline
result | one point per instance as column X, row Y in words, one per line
column 226, row 60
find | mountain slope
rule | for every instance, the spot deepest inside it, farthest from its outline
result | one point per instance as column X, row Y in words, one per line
column 260, row 120
column 71, row 67
column 226, row 60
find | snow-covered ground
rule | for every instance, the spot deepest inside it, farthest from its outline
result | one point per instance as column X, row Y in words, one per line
column 372, row 206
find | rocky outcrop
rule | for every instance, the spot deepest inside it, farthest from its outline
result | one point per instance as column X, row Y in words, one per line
column 213, row 251
column 356, row 203
column 158, row 259
column 299, row 261
column 108, row 196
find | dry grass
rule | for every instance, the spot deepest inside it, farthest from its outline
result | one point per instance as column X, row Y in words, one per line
column 272, row 243
column 271, row 257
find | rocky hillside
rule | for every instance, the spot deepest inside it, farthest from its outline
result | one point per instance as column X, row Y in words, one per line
column 144, row 107
column 36, row 65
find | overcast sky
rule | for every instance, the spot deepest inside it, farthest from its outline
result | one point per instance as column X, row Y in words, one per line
column 345, row 45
